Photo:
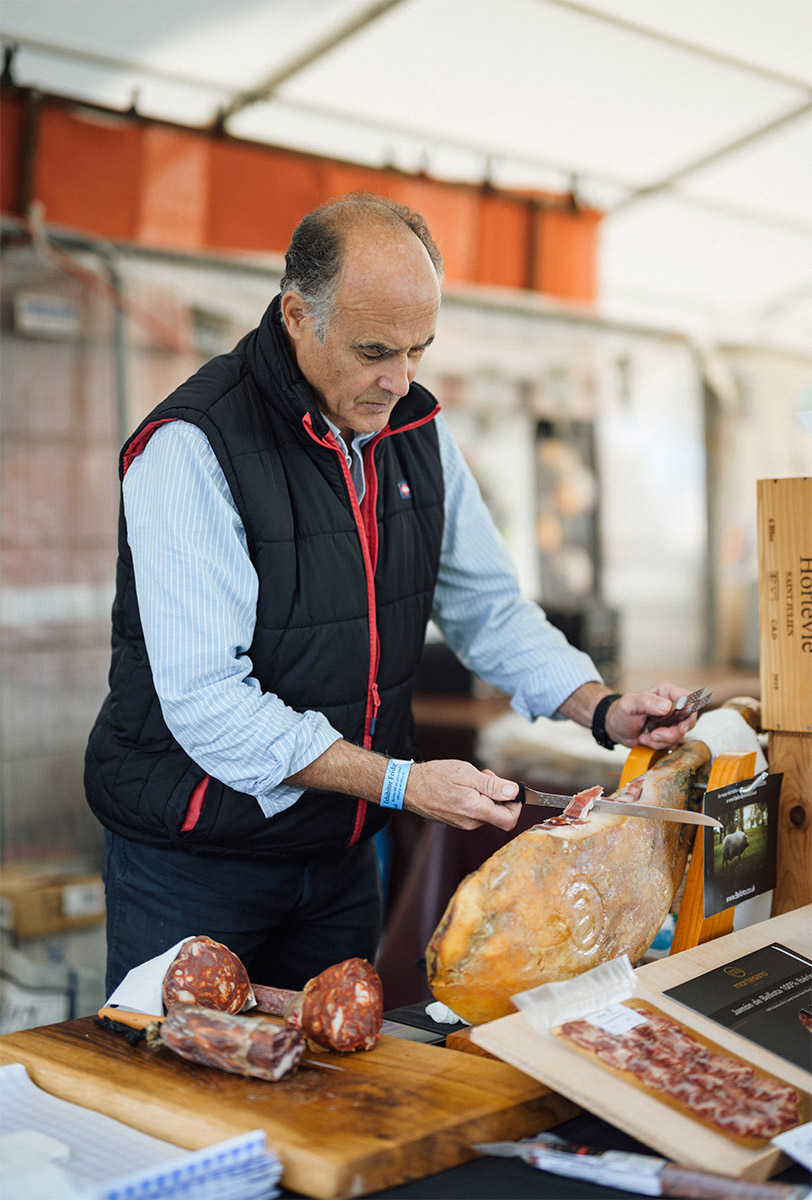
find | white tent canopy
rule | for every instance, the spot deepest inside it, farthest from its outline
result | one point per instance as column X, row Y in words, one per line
column 689, row 122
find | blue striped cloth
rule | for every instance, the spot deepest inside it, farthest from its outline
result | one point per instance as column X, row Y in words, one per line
column 197, row 594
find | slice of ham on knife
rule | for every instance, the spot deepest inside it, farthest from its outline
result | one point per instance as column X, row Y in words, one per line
column 581, row 803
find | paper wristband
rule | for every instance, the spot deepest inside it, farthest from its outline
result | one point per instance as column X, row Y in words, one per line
column 394, row 782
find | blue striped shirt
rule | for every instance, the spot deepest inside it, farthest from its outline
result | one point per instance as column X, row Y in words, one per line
column 197, row 594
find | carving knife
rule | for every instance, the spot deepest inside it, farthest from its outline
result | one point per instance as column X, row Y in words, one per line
column 618, row 808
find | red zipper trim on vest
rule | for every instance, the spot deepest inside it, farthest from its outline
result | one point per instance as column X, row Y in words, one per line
column 367, row 525
column 138, row 444
column 370, row 502
column 195, row 806
column 373, row 699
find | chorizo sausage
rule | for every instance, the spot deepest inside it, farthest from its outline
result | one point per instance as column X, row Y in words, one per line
column 341, row 1008
column 240, row 1045
column 207, row 973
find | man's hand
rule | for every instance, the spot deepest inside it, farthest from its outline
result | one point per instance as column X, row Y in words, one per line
column 457, row 794
column 627, row 716
column 448, row 790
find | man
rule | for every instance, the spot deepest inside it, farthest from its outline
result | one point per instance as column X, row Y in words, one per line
column 292, row 516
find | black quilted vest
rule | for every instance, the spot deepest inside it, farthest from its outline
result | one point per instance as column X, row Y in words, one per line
column 345, row 593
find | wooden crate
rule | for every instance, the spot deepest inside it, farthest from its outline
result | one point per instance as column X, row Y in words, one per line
column 785, row 603
column 790, row 754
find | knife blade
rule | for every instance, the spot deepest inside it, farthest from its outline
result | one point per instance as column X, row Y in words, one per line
column 618, row 808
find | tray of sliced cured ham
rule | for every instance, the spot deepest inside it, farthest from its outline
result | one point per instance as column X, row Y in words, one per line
column 691, row 1074
column 701, row 1094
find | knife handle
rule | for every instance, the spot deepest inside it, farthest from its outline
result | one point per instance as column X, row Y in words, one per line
column 135, row 1020
column 706, row 1185
column 552, row 804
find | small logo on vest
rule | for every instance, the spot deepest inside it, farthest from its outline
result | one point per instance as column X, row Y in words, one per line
column 404, row 489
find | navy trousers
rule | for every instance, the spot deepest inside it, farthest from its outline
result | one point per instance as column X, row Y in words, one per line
column 285, row 920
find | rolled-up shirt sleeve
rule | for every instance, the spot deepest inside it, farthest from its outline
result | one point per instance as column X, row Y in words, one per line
column 197, row 593
column 502, row 637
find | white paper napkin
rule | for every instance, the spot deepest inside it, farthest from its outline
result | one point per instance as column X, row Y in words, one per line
column 141, row 988
column 724, row 731
column 443, row 1014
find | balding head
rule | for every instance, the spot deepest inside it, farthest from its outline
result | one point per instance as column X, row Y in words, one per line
column 359, row 339
column 325, row 240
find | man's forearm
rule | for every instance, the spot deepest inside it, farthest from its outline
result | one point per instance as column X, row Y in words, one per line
column 580, row 705
column 345, row 768
column 354, row 771
column 448, row 790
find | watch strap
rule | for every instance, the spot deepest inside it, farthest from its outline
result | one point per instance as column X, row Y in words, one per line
column 599, row 721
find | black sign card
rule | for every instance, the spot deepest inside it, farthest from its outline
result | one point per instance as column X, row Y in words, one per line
column 765, row 996
column 740, row 858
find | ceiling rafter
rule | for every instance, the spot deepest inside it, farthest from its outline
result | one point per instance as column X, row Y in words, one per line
column 109, row 62
column 684, row 44
column 305, row 58
column 667, row 182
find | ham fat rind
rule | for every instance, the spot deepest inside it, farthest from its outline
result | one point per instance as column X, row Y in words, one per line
column 558, row 900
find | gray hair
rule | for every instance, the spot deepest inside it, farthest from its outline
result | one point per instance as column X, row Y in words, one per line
column 315, row 256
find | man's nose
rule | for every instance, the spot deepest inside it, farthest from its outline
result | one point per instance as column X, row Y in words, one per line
column 397, row 377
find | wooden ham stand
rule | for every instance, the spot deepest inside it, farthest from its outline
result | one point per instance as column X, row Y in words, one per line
column 693, row 928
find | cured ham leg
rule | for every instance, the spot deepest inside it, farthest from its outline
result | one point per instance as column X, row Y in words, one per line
column 564, row 896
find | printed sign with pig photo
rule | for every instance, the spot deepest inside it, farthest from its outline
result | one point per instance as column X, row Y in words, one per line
column 740, row 858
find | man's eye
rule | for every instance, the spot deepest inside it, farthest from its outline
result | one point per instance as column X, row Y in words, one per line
column 373, row 355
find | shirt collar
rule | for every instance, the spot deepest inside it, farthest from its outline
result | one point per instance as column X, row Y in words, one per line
column 359, row 439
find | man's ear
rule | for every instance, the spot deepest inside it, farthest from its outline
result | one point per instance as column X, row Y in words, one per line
column 294, row 313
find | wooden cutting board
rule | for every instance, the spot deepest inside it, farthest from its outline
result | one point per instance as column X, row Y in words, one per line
column 401, row 1111
column 672, row 1133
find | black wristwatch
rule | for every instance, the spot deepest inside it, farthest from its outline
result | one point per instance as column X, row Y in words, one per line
column 599, row 721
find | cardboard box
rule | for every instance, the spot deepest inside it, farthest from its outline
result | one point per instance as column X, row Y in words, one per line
column 37, row 900
column 785, row 603
column 51, row 979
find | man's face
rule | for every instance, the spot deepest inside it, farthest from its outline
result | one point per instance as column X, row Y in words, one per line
column 385, row 314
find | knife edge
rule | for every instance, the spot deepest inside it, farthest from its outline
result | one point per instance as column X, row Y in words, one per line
column 528, row 795
column 684, row 816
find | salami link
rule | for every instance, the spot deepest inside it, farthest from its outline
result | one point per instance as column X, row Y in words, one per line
column 207, row 973
column 278, row 1002
column 240, row 1045
column 341, row 1009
